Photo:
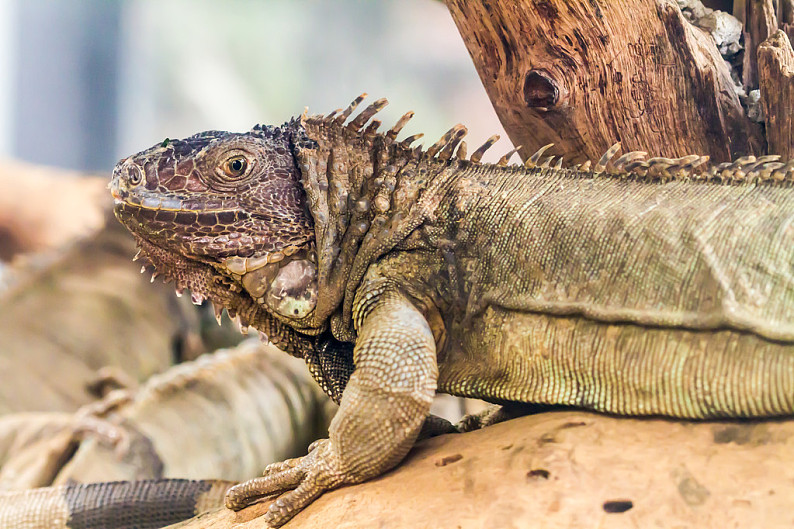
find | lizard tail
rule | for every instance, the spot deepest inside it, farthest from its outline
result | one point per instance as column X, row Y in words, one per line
column 147, row 504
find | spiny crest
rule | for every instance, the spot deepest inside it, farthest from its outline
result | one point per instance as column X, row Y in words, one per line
column 450, row 145
column 633, row 164
column 694, row 167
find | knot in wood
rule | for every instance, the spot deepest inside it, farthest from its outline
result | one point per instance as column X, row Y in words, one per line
column 540, row 90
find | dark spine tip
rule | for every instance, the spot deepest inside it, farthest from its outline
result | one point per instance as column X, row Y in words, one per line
column 540, row 90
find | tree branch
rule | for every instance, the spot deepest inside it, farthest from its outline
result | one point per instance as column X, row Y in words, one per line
column 584, row 74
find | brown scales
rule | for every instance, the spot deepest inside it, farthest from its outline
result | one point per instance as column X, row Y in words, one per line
column 373, row 200
column 632, row 165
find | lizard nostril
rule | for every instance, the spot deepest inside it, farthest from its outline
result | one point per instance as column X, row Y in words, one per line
column 134, row 175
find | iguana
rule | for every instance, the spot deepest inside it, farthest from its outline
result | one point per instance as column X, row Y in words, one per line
column 628, row 286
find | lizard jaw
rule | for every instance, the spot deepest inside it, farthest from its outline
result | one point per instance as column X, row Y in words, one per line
column 285, row 282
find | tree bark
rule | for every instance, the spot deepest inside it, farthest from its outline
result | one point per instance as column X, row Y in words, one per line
column 787, row 18
column 584, row 75
column 760, row 22
column 776, row 73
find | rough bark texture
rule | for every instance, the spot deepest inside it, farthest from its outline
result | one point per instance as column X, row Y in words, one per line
column 586, row 74
column 561, row 470
column 760, row 22
column 776, row 72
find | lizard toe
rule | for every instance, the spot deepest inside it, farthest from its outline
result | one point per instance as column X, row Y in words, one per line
column 309, row 476
column 293, row 502
column 281, row 466
column 246, row 493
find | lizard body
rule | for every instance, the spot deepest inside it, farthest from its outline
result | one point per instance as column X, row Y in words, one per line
column 637, row 287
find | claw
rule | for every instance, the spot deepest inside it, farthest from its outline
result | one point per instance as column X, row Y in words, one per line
column 301, row 480
column 283, row 509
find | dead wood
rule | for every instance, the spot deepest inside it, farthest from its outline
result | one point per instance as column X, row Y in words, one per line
column 586, row 74
column 787, row 17
column 560, row 470
column 776, row 76
column 760, row 21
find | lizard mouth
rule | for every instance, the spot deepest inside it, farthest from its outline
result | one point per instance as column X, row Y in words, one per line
column 182, row 212
column 224, row 212
column 206, row 236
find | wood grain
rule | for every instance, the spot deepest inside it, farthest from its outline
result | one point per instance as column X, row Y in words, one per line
column 568, row 469
column 776, row 75
column 585, row 74
column 760, row 22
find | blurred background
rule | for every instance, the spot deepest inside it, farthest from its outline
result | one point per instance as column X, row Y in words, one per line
column 86, row 82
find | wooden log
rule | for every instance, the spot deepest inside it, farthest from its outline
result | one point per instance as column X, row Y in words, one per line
column 585, row 74
column 776, row 74
column 760, row 22
column 787, row 17
column 568, row 469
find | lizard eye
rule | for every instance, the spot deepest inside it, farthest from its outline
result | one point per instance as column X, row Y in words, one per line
column 135, row 176
column 235, row 167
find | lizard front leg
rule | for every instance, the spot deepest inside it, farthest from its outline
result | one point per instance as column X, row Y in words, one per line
column 381, row 413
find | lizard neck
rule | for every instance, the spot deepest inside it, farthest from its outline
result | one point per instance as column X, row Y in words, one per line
column 365, row 193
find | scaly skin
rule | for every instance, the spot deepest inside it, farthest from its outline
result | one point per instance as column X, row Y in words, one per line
column 658, row 287
column 148, row 504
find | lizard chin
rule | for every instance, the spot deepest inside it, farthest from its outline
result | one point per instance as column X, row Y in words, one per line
column 201, row 279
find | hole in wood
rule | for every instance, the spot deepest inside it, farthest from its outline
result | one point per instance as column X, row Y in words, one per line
column 540, row 90
column 444, row 461
column 617, row 506
column 538, row 473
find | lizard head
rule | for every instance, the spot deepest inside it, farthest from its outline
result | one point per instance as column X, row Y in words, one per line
column 230, row 204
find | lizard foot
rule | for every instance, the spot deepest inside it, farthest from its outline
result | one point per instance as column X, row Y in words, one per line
column 302, row 480
column 497, row 413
